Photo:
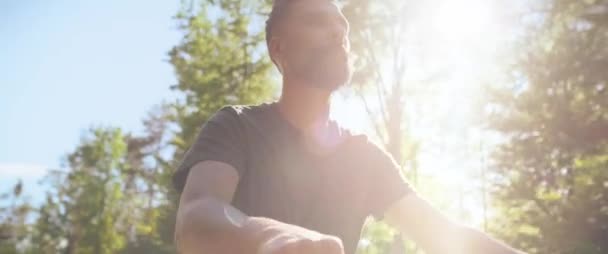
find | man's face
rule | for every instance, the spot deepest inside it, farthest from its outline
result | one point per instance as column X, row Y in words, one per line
column 313, row 44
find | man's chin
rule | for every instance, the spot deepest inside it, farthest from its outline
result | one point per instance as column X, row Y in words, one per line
column 333, row 79
column 332, row 83
column 330, row 79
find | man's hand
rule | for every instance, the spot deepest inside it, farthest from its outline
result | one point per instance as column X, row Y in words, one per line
column 290, row 239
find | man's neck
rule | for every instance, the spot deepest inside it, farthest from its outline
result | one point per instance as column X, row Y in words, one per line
column 304, row 106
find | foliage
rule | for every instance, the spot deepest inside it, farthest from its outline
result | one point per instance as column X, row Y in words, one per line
column 219, row 61
column 13, row 219
column 552, row 171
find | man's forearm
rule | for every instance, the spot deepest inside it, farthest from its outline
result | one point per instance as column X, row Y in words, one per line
column 212, row 226
column 202, row 225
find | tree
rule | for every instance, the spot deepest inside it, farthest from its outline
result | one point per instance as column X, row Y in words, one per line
column 551, row 174
column 13, row 219
column 148, row 178
column 89, row 195
column 105, row 199
column 219, row 61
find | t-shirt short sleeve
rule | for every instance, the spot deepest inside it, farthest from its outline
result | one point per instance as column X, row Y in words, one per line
column 386, row 182
column 221, row 138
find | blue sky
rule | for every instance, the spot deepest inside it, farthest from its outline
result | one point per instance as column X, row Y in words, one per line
column 68, row 65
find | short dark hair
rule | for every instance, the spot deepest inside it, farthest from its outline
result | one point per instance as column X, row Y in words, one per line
column 279, row 7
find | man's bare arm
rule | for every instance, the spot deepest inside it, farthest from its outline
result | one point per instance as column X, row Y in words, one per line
column 207, row 223
column 435, row 233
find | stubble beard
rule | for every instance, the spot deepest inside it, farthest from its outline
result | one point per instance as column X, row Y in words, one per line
column 326, row 70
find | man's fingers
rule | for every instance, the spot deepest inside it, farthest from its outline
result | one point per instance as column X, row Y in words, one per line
column 288, row 243
column 285, row 244
column 329, row 245
column 275, row 244
column 303, row 246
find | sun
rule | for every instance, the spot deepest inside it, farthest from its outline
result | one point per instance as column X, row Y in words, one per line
column 463, row 20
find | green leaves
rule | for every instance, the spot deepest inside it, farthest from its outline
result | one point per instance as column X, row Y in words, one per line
column 220, row 60
column 555, row 158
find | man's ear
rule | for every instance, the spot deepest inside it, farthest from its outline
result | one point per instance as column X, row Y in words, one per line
column 276, row 51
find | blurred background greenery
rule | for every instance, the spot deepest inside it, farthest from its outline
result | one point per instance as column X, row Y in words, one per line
column 496, row 110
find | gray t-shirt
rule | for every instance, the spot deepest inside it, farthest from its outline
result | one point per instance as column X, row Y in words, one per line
column 280, row 178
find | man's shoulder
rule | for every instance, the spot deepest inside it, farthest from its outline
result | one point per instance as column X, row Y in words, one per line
column 257, row 116
column 245, row 109
column 240, row 112
column 362, row 140
column 367, row 147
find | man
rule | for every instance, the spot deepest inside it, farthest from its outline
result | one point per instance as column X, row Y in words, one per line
column 282, row 177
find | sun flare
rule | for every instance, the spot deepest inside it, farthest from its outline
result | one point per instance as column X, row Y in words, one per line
column 461, row 20
column 457, row 41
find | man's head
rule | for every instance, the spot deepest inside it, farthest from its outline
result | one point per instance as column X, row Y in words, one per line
column 308, row 41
